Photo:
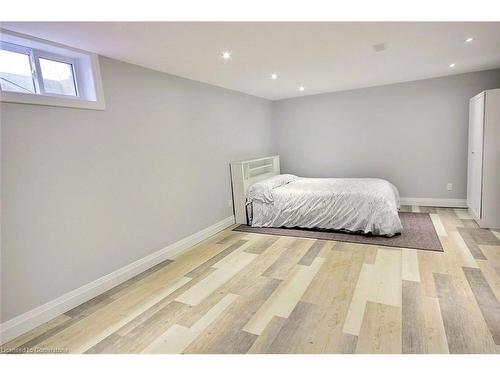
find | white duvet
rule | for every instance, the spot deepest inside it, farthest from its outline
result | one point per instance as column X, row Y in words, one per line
column 367, row 205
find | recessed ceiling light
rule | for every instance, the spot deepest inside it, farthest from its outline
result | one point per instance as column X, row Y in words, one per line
column 226, row 55
column 274, row 76
column 452, row 65
column 469, row 39
column 301, row 88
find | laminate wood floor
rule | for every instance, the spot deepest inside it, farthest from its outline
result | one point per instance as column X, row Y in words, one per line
column 253, row 293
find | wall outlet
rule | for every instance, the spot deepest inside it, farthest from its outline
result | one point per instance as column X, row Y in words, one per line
column 449, row 186
column 230, row 203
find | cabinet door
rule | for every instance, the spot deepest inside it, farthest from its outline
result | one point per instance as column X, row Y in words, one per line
column 475, row 159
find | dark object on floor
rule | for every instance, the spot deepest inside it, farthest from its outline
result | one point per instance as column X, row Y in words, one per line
column 418, row 233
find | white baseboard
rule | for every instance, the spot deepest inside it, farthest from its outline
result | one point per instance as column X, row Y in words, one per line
column 41, row 314
column 434, row 202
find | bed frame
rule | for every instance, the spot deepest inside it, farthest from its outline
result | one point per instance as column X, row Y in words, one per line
column 244, row 174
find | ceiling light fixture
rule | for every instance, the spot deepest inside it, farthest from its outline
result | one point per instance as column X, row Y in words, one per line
column 469, row 39
column 452, row 65
column 226, row 55
column 301, row 88
column 274, row 76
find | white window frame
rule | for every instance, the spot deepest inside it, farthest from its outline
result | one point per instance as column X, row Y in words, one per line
column 23, row 51
column 86, row 73
column 37, row 55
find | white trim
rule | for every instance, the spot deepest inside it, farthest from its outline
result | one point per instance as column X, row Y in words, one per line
column 434, row 202
column 41, row 314
column 49, row 100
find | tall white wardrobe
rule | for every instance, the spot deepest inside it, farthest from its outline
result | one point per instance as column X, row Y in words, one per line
column 483, row 172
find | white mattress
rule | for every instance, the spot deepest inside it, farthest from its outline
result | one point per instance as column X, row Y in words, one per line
column 367, row 205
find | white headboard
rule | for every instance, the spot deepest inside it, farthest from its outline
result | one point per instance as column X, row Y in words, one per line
column 244, row 174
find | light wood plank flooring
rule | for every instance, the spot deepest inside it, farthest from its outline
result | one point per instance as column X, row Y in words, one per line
column 252, row 293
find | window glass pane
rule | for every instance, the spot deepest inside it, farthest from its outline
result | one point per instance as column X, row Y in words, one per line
column 58, row 77
column 15, row 72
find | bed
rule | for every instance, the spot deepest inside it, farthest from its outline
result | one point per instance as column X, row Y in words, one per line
column 358, row 205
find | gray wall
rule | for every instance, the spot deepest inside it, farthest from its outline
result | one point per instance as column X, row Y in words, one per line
column 86, row 192
column 413, row 134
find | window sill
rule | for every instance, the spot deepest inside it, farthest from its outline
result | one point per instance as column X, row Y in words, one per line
column 20, row 98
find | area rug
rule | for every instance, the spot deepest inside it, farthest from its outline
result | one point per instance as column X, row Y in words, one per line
column 418, row 233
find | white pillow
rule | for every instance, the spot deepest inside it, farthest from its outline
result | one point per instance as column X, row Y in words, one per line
column 262, row 190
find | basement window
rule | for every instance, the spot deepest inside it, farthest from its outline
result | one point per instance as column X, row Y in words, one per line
column 35, row 71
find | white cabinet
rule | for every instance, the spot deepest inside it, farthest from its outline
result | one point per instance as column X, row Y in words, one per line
column 483, row 168
column 475, row 163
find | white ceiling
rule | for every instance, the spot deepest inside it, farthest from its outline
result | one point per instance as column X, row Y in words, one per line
column 322, row 57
